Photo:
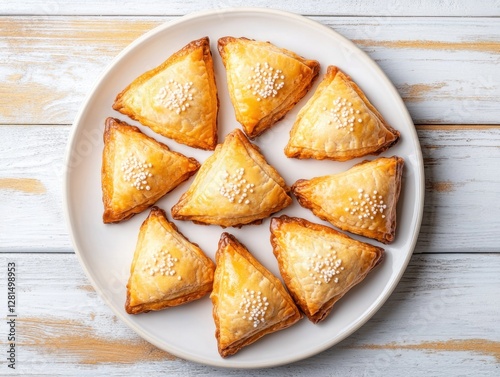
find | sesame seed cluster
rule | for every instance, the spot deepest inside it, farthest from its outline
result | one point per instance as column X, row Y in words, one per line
column 136, row 172
column 266, row 81
column 367, row 206
column 324, row 268
column 236, row 188
column 254, row 306
column 343, row 114
column 175, row 96
column 162, row 263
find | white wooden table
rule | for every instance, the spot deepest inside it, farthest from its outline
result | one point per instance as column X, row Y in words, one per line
column 443, row 57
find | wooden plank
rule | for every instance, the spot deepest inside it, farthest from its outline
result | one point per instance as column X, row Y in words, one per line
column 48, row 65
column 436, row 65
column 65, row 329
column 446, row 69
column 460, row 214
column 354, row 7
column 31, row 188
column 462, row 184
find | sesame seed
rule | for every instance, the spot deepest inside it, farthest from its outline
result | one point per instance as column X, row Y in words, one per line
column 367, row 208
column 163, row 264
column 342, row 114
column 235, row 188
column 253, row 305
column 265, row 82
column 136, row 172
column 324, row 268
column 175, row 96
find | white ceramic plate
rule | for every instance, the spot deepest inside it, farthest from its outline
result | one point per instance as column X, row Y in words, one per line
column 105, row 251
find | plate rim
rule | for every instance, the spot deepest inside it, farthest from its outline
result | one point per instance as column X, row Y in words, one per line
column 419, row 188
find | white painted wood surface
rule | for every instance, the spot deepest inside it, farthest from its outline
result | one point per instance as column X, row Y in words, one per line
column 462, row 185
column 444, row 59
column 315, row 7
column 50, row 63
column 437, row 321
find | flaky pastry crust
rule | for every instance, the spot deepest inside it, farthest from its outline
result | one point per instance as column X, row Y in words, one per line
column 361, row 200
column 339, row 123
column 129, row 155
column 214, row 196
column 178, row 99
column 248, row 300
column 319, row 264
column 258, row 101
column 167, row 269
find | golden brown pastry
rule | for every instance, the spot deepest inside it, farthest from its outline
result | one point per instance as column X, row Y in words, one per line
column 339, row 123
column 361, row 200
column 137, row 170
column 235, row 186
column 177, row 99
column 167, row 269
column 248, row 301
column 264, row 81
column 319, row 264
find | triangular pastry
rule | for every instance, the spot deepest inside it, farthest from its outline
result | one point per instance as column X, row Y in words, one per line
column 167, row 269
column 339, row 123
column 264, row 81
column 235, row 186
column 177, row 99
column 319, row 264
column 248, row 301
column 137, row 170
column 361, row 200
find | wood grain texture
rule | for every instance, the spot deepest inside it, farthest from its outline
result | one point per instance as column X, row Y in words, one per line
column 31, row 160
column 425, row 49
column 48, row 64
column 462, row 185
column 27, row 185
column 64, row 329
column 442, row 56
column 79, row 341
column 350, row 7
column 461, row 171
column 475, row 345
